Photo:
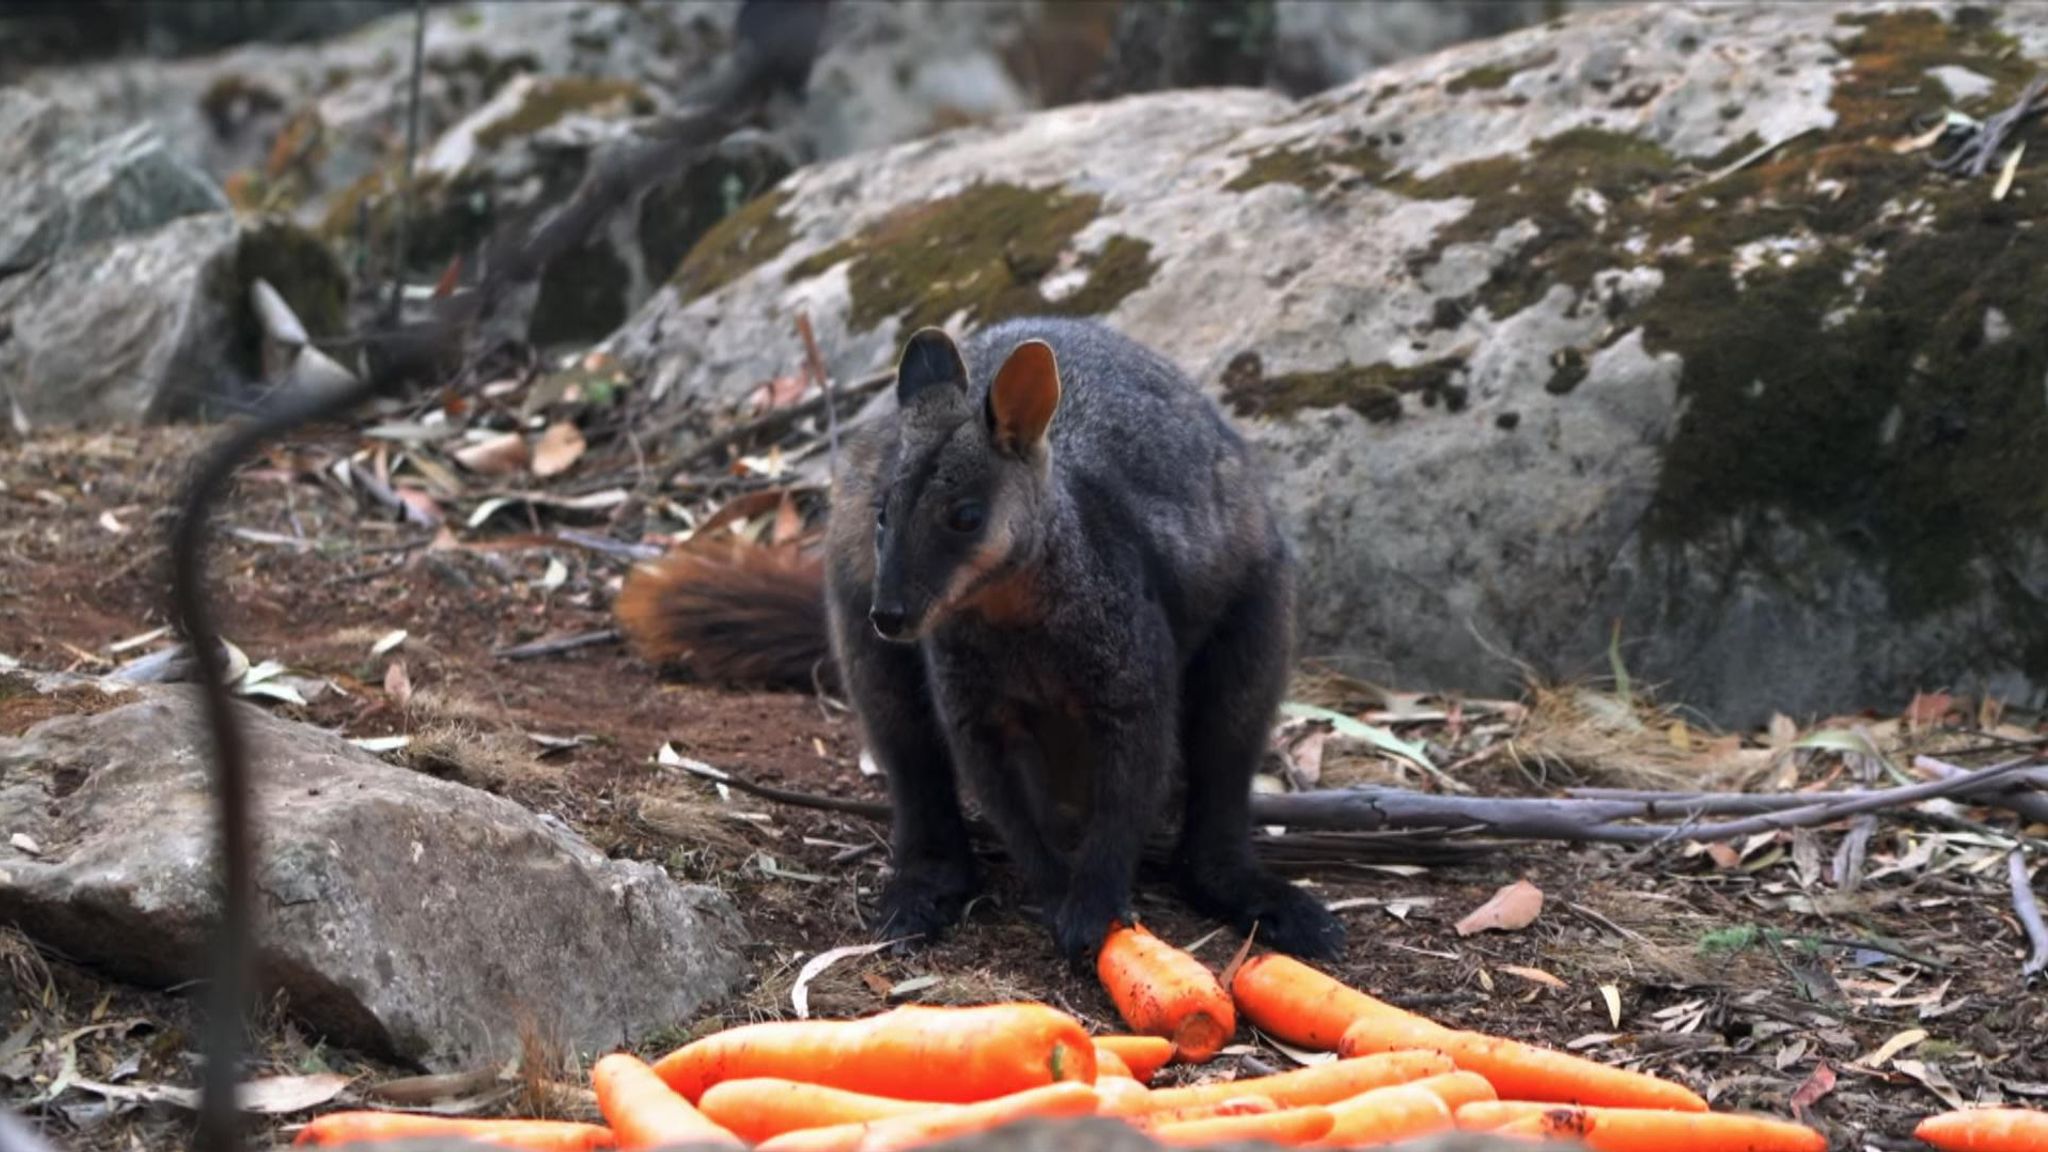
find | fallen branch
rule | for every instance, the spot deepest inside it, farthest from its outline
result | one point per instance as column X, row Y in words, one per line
column 2021, row 794
column 2029, row 911
column 1298, row 851
column 1357, row 811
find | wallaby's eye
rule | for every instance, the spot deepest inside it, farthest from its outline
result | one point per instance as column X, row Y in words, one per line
column 881, row 518
column 966, row 516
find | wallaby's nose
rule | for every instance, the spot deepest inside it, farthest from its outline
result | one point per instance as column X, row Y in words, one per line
column 887, row 619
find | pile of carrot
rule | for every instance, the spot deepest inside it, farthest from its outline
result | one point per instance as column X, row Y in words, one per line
column 911, row 1076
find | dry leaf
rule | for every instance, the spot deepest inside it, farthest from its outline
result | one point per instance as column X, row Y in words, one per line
column 1883, row 1053
column 1534, row 975
column 500, row 455
column 876, row 982
column 787, row 523
column 800, row 992
column 397, row 683
column 1816, row 1086
column 1512, row 908
column 559, row 449
column 279, row 1095
column 1612, row 995
column 1928, row 709
column 1723, row 856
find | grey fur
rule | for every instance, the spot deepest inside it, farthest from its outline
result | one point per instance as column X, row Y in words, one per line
column 1121, row 614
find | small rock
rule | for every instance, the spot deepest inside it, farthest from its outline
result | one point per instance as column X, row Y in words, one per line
column 1962, row 83
column 400, row 914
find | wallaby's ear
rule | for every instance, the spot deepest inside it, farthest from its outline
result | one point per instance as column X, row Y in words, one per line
column 930, row 360
column 1023, row 398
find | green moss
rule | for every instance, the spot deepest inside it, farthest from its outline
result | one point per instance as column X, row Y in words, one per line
column 736, row 245
column 302, row 269
column 982, row 252
column 1493, row 77
column 555, row 97
column 1374, row 391
column 1310, row 168
column 1571, row 243
column 1889, row 425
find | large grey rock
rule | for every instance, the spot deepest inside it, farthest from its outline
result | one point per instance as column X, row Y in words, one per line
column 156, row 325
column 61, row 188
column 1535, row 352
column 400, row 913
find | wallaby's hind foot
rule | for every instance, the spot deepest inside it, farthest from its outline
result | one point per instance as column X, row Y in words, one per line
column 919, row 904
column 1288, row 919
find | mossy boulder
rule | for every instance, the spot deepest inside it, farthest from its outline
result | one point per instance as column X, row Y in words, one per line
column 1656, row 316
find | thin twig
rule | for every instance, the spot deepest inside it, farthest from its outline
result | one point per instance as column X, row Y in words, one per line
column 412, row 148
column 2028, row 803
column 814, row 363
column 776, row 421
column 559, row 644
column 2029, row 911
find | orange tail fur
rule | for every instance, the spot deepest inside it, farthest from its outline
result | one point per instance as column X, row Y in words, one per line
column 732, row 613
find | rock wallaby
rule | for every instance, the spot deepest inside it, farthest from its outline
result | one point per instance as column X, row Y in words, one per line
column 1051, row 576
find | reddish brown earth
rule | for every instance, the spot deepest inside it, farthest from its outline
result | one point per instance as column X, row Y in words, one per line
column 1745, row 1025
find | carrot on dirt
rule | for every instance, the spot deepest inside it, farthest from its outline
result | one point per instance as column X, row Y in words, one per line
column 1488, row 1115
column 1985, row 1130
column 1521, row 1071
column 1457, row 1089
column 891, row 1134
column 1651, row 1129
column 757, row 1108
column 1108, row 1063
column 644, row 1112
column 1384, row 1115
column 1315, row 1084
column 1235, row 1106
column 368, row 1126
column 1143, row 1055
column 948, row 1055
column 1295, row 1003
column 1160, row 990
column 1287, row 1126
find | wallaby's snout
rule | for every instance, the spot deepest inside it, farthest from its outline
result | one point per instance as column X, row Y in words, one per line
column 890, row 620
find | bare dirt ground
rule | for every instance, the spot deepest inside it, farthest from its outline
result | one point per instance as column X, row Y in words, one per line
column 1743, row 972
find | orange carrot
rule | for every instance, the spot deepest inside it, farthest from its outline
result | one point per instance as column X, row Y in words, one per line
column 1654, row 1129
column 1456, row 1089
column 644, row 1112
column 1986, row 1130
column 1384, row 1115
column 1316, row 1084
column 1295, row 1003
column 1143, row 1055
column 1287, row 1126
column 1108, row 1063
column 919, row 1051
column 368, row 1126
column 1160, row 990
column 1492, row 1115
column 892, row 1133
column 1529, row 1129
column 1113, row 1089
column 1521, row 1071
column 1235, row 1106
column 763, row 1106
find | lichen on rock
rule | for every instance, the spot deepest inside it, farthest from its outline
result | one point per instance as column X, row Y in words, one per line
column 982, row 253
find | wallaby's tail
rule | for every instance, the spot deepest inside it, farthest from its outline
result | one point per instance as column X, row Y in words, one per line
column 740, row 614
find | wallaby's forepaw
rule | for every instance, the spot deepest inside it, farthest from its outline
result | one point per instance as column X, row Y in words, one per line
column 1083, row 920
column 1296, row 923
column 918, row 906
column 1288, row 919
